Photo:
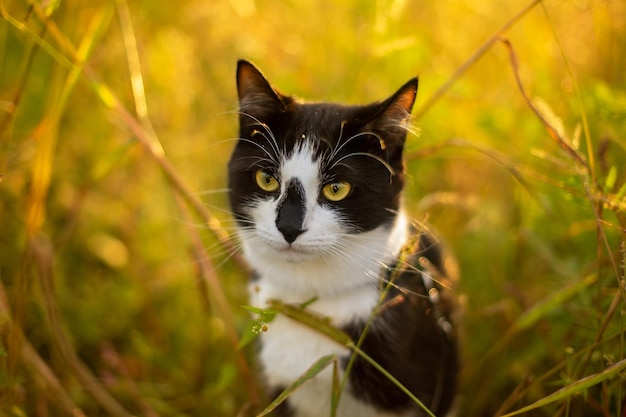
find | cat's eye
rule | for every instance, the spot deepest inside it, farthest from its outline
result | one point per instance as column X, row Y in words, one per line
column 266, row 181
column 336, row 191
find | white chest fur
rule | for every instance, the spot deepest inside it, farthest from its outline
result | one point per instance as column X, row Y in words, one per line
column 289, row 348
column 346, row 290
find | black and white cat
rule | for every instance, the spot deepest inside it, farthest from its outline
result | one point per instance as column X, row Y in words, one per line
column 315, row 189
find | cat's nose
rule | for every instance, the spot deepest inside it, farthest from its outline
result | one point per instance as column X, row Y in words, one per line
column 291, row 210
column 290, row 233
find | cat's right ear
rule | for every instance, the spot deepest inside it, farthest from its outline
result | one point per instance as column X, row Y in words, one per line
column 258, row 101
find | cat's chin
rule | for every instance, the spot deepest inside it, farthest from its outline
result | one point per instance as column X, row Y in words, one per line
column 294, row 255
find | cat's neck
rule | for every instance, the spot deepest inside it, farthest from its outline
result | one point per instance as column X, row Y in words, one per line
column 352, row 271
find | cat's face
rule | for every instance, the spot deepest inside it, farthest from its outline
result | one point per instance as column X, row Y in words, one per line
column 305, row 178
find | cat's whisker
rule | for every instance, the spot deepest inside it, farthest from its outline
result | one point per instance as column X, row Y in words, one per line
column 403, row 290
column 257, row 160
column 236, row 226
column 212, row 192
column 196, row 225
column 243, row 220
column 223, row 141
column 217, row 251
column 367, row 154
column 229, row 254
column 273, row 142
column 345, row 248
column 409, row 268
column 271, row 157
column 406, row 268
column 339, row 146
column 329, row 142
column 216, row 208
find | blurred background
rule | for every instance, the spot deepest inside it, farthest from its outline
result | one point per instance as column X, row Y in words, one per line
column 118, row 295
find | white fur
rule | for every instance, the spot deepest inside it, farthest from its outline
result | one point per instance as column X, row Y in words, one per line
column 340, row 269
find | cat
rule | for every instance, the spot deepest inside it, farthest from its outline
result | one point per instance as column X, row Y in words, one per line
column 315, row 190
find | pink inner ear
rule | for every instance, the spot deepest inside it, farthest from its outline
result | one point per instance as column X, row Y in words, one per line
column 398, row 107
column 406, row 99
column 401, row 103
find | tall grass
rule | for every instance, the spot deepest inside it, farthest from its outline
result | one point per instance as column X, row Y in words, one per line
column 120, row 286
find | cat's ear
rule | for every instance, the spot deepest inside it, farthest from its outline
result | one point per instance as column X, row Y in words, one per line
column 257, row 99
column 392, row 119
column 398, row 107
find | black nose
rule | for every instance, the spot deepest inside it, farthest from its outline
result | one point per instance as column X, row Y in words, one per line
column 291, row 210
column 289, row 233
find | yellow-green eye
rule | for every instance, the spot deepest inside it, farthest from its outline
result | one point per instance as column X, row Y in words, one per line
column 336, row 191
column 266, row 181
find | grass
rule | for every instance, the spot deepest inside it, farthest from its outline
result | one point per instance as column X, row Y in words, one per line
column 120, row 294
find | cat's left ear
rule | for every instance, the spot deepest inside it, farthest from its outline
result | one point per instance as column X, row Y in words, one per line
column 392, row 120
column 258, row 100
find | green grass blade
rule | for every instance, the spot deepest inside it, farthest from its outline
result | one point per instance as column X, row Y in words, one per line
column 583, row 113
column 550, row 303
column 315, row 322
column 97, row 27
column 336, row 391
column 476, row 55
column 530, row 317
column 39, row 40
column 574, row 388
column 383, row 371
column 313, row 370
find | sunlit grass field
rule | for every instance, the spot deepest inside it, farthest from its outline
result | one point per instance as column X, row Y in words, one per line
column 119, row 291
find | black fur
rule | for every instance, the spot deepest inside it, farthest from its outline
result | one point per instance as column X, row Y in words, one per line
column 411, row 337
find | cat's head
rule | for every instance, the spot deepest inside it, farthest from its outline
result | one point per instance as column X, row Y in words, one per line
column 304, row 176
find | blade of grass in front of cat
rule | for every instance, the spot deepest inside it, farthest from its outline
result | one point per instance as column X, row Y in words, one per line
column 390, row 377
column 313, row 370
column 312, row 321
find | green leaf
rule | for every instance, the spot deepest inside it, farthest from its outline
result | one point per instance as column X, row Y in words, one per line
column 313, row 370
column 248, row 335
column 266, row 315
column 256, row 326
column 609, row 183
